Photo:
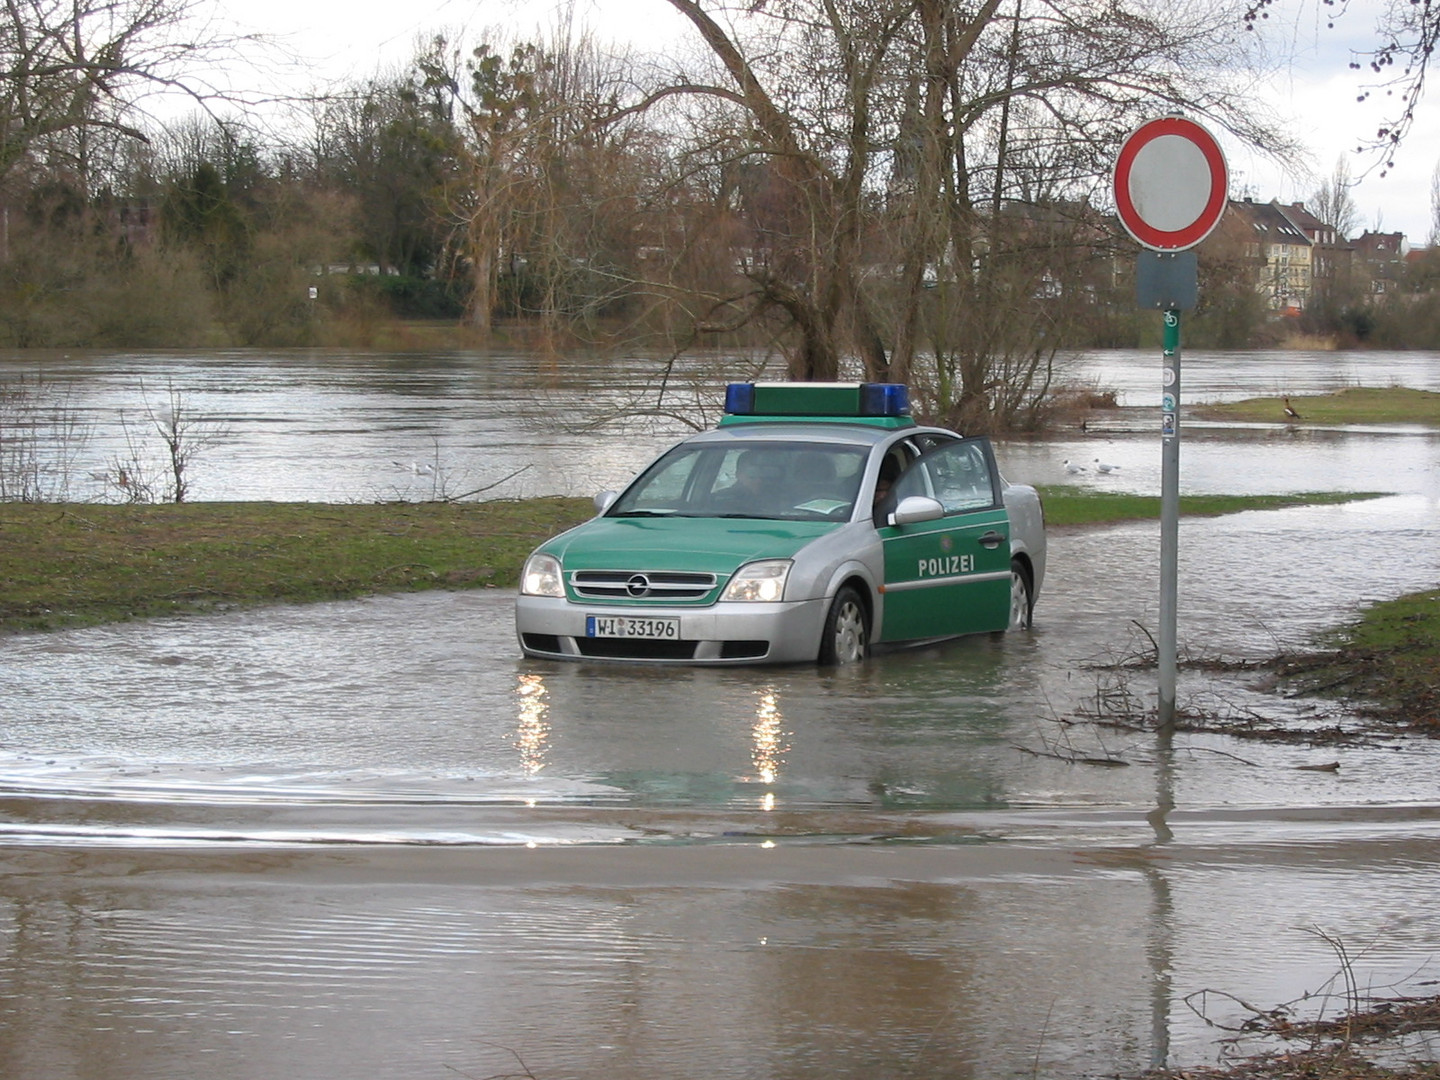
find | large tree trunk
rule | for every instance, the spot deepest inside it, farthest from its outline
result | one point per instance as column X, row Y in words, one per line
column 482, row 290
column 828, row 312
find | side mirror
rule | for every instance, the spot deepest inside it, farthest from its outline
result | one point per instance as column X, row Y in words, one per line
column 915, row 508
column 605, row 500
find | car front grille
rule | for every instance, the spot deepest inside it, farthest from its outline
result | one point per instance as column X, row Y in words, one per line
column 635, row 649
column 657, row 585
column 642, row 648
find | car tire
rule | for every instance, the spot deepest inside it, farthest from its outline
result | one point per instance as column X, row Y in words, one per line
column 846, row 637
column 1022, row 604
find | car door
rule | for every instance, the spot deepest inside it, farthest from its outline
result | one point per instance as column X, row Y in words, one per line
column 950, row 575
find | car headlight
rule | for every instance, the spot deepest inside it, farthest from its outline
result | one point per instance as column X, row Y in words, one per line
column 541, row 577
column 763, row 581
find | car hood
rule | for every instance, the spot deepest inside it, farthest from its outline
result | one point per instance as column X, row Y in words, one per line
column 713, row 545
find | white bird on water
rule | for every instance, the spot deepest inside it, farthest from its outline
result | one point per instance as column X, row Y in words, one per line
column 1072, row 468
column 419, row 468
column 1102, row 466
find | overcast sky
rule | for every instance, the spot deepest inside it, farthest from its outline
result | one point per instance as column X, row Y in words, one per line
column 1313, row 89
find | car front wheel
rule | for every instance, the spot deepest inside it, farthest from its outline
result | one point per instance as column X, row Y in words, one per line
column 1021, row 605
column 847, row 629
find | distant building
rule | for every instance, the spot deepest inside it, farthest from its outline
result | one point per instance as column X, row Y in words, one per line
column 1380, row 257
column 137, row 221
column 1280, row 252
column 1331, row 255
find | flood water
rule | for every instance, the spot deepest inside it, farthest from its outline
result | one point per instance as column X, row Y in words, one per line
column 368, row 839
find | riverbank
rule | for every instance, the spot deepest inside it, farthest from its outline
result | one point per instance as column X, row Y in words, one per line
column 1354, row 405
column 1388, row 660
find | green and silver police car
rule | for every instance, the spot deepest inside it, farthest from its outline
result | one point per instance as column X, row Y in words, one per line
column 816, row 523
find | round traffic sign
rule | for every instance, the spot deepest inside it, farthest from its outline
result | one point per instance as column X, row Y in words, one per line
column 1171, row 185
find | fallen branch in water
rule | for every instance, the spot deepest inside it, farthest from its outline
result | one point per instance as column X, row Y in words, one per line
column 487, row 487
column 1338, row 1044
column 1073, row 759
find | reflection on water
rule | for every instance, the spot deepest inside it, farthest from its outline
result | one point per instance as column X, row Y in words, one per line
column 769, row 749
column 532, row 732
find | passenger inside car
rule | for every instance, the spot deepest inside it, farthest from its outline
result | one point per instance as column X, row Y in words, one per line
column 890, row 468
column 814, row 475
column 757, row 477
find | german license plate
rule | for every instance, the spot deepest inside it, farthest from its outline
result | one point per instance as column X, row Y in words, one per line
column 629, row 626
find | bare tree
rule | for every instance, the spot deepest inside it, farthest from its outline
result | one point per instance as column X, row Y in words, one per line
column 77, row 68
column 544, row 199
column 917, row 158
column 503, row 116
column 1404, row 38
column 806, row 88
column 185, row 436
column 1333, row 202
column 1434, row 239
column 41, row 437
column 499, row 106
column 579, row 225
column 392, row 146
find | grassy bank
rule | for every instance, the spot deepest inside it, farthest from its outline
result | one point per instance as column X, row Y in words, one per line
column 68, row 564
column 1356, row 405
column 1389, row 658
column 81, row 564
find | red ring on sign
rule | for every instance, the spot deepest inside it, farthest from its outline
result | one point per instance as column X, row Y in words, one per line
column 1209, row 216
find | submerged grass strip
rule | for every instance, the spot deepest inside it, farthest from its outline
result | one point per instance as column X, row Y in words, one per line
column 1079, row 506
column 81, row 564
column 1356, row 405
column 68, row 564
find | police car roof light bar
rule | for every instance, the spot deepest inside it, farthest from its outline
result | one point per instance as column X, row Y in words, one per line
column 818, row 399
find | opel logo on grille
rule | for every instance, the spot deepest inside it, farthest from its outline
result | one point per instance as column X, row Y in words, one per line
column 639, row 585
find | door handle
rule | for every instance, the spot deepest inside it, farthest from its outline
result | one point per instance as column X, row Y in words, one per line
column 992, row 539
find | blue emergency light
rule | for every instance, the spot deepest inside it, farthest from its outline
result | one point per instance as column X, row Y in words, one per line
column 884, row 399
column 740, row 398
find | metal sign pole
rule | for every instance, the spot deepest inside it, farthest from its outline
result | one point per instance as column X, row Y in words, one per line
column 1171, row 189
column 1169, row 519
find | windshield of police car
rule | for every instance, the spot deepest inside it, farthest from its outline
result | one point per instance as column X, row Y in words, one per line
column 794, row 481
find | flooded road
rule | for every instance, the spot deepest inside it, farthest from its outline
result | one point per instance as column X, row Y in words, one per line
column 369, row 839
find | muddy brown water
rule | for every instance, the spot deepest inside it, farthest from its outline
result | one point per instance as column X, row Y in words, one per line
column 367, row 839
